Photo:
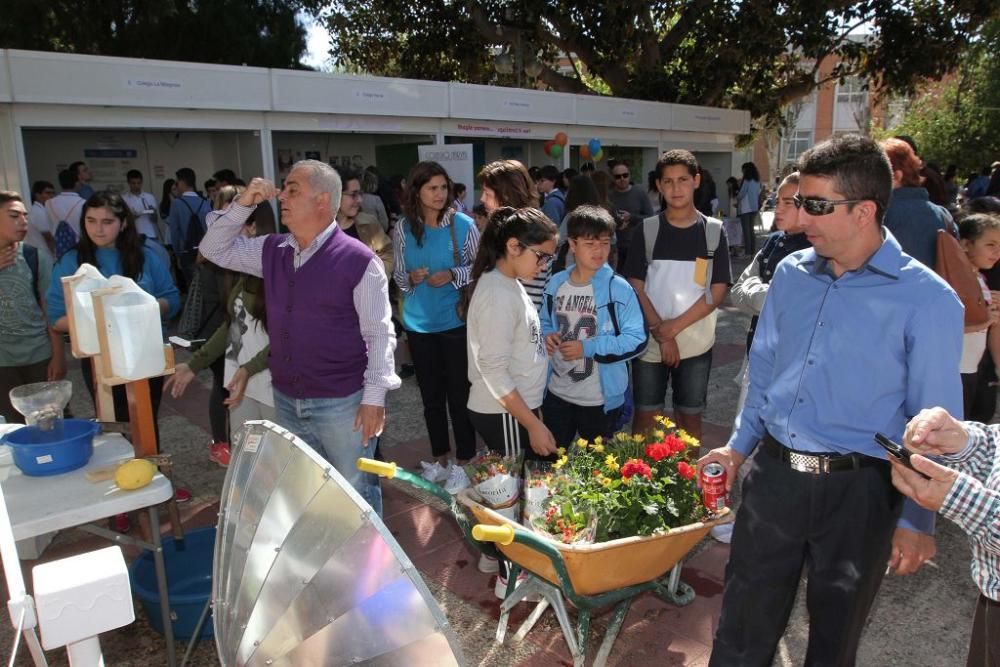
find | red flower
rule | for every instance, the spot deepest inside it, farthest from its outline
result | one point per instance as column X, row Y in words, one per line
column 636, row 467
column 686, row 470
column 657, row 451
column 674, row 444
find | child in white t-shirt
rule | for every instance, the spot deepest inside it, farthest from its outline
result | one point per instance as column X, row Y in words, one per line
column 981, row 239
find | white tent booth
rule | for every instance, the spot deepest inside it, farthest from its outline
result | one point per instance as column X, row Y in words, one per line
column 157, row 116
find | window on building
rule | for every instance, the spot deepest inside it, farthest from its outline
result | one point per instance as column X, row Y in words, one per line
column 795, row 144
column 852, row 92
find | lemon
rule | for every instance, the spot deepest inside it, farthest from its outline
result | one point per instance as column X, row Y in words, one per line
column 134, row 474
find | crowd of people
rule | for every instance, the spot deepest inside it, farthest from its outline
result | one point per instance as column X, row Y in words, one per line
column 565, row 305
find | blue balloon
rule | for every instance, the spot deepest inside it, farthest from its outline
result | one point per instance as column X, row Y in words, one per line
column 594, row 145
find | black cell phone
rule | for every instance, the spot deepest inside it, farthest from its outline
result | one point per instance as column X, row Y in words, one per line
column 896, row 450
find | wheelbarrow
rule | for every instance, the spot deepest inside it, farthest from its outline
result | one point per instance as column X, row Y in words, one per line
column 590, row 576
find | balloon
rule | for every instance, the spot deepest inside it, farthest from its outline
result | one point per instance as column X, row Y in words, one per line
column 556, row 151
column 547, row 146
column 561, row 138
column 584, row 152
column 595, row 146
column 598, row 156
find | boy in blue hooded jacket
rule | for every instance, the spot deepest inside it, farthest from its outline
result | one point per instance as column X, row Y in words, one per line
column 593, row 324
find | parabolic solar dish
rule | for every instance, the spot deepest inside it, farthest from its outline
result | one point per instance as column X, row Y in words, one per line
column 306, row 573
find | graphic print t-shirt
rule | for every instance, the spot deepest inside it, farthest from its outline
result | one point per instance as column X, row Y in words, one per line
column 575, row 314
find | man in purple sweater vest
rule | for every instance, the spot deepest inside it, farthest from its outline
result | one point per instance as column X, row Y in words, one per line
column 328, row 316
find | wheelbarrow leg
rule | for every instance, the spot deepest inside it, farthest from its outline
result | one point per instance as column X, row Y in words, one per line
column 583, row 632
column 676, row 592
column 614, row 627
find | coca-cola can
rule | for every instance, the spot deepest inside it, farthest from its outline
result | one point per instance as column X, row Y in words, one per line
column 713, row 487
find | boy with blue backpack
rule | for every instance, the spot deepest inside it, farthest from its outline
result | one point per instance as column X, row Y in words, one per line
column 593, row 325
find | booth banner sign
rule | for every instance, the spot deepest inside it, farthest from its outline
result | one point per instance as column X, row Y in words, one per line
column 456, row 160
column 493, row 130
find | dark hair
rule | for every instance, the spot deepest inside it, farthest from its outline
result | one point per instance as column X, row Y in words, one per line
column 133, row 173
column 348, row 174
column 74, row 169
column 903, row 159
column 987, row 204
column 602, row 183
column 528, row 225
column 168, row 185
column 567, row 176
column 38, row 187
column 549, row 173
column 951, row 172
column 227, row 175
column 582, row 191
column 7, row 196
column 128, row 243
column 651, row 180
column 479, row 209
column 589, row 222
column 186, row 175
column 511, row 182
column 210, row 183
column 420, row 175
column 535, row 173
column 858, row 167
column 675, row 157
column 750, row 172
column 993, row 189
column 67, row 179
column 975, row 225
column 459, row 188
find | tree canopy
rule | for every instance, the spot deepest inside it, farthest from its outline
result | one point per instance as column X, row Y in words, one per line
column 262, row 33
column 958, row 122
column 751, row 54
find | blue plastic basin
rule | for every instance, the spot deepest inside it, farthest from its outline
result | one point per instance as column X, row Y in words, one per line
column 188, row 563
column 68, row 446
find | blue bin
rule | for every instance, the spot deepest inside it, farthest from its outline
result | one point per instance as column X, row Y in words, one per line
column 66, row 447
column 189, row 582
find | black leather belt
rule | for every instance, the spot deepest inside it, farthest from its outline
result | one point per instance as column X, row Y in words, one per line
column 817, row 464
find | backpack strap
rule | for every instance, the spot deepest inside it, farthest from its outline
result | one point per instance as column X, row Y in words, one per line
column 713, row 236
column 31, row 257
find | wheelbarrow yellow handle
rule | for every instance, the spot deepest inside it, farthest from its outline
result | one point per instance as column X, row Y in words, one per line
column 501, row 534
column 380, row 468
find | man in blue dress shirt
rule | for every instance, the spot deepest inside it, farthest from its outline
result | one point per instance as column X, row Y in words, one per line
column 854, row 338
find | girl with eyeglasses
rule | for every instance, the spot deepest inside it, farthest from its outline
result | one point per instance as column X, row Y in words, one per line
column 508, row 364
column 434, row 247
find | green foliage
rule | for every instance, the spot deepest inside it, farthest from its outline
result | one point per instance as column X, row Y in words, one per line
column 959, row 122
column 753, row 54
column 261, row 33
column 630, row 485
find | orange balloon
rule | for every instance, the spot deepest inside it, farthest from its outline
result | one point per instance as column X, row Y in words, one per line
column 584, row 152
column 561, row 138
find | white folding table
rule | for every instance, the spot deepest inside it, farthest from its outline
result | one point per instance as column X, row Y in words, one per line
column 39, row 505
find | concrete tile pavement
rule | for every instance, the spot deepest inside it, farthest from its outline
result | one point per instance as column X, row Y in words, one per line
column 919, row 620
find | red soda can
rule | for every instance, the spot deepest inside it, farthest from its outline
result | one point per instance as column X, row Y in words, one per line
column 713, row 487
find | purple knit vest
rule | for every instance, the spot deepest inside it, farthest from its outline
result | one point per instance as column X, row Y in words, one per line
column 316, row 346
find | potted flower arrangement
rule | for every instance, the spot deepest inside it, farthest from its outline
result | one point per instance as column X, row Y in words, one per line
column 630, row 485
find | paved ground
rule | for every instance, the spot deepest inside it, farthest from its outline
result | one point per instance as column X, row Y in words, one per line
column 921, row 620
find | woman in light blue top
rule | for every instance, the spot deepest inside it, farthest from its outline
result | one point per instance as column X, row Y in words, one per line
column 434, row 248
column 111, row 243
column 748, row 205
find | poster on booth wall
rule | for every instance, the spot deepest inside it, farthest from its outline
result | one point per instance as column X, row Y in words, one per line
column 456, row 160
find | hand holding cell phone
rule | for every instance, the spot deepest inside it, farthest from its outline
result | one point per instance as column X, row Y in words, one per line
column 896, row 451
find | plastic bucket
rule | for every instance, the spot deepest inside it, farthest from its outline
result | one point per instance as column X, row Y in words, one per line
column 66, row 447
column 188, row 563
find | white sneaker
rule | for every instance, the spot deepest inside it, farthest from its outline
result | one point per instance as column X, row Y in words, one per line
column 456, row 479
column 500, row 588
column 488, row 565
column 433, row 472
column 723, row 533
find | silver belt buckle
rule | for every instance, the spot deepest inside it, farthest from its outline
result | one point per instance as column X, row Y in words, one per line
column 807, row 463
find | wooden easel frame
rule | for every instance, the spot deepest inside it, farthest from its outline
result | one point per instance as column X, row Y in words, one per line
column 140, row 405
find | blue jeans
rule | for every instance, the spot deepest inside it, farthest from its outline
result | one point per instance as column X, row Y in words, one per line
column 327, row 425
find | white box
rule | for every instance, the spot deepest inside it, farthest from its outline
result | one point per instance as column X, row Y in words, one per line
column 82, row 596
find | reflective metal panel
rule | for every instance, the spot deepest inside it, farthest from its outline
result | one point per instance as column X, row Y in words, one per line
column 307, row 574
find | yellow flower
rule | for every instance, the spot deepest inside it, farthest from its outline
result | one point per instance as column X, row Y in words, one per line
column 606, row 481
column 597, row 447
column 611, row 462
column 561, row 451
column 581, row 443
column 638, row 437
column 659, row 435
column 687, row 438
column 558, row 464
column 598, row 440
column 663, row 421
column 626, row 480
